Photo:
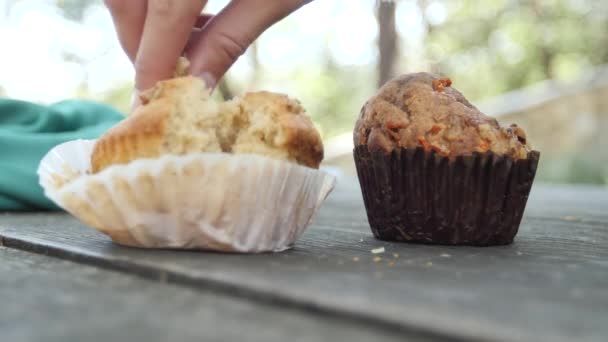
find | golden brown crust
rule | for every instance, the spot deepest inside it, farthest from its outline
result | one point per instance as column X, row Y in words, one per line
column 138, row 136
column 175, row 118
column 300, row 138
column 423, row 110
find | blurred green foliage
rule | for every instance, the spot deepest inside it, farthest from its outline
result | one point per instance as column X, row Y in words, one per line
column 334, row 96
column 511, row 44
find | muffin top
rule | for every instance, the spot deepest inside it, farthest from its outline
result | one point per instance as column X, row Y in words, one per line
column 178, row 116
column 424, row 110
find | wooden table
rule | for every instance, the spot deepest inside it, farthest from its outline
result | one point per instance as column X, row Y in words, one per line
column 61, row 281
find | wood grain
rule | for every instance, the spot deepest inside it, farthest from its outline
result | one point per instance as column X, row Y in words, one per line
column 550, row 285
column 47, row 299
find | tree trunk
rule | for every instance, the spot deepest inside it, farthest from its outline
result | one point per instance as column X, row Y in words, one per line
column 546, row 52
column 423, row 4
column 387, row 42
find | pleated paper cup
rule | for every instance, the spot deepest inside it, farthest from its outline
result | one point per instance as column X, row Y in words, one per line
column 211, row 201
column 413, row 195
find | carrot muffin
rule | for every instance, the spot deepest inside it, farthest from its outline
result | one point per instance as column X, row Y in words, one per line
column 434, row 169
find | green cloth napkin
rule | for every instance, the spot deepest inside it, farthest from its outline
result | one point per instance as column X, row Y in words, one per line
column 28, row 131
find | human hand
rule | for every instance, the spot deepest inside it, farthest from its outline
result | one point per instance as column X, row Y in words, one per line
column 155, row 33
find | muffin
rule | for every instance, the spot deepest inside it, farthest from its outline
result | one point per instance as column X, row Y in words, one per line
column 185, row 171
column 178, row 117
column 434, row 169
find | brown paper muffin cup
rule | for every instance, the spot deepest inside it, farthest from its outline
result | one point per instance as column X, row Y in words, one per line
column 413, row 195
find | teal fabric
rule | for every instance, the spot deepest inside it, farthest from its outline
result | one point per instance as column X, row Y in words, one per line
column 28, row 131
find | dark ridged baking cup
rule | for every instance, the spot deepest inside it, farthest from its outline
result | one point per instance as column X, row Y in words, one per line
column 415, row 195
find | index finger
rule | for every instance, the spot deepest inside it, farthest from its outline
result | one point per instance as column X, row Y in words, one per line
column 128, row 18
column 166, row 30
column 230, row 32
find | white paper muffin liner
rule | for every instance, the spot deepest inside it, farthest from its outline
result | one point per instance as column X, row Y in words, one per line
column 211, row 201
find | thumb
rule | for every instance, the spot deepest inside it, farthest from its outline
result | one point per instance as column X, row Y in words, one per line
column 228, row 35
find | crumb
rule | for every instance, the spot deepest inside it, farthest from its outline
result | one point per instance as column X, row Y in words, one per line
column 484, row 145
column 391, row 263
column 429, row 264
column 440, row 84
column 377, row 259
column 355, row 259
column 570, row 218
column 391, row 125
column 440, row 149
column 436, row 129
column 378, row 250
column 360, row 240
column 445, row 255
column 519, row 133
column 395, row 255
column 425, row 144
column 519, row 253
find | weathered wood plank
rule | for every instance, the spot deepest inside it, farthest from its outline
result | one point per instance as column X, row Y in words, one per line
column 46, row 299
column 552, row 284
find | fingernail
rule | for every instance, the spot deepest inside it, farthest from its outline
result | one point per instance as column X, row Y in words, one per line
column 209, row 80
column 135, row 99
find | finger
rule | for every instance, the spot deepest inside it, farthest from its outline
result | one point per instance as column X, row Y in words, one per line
column 226, row 37
column 166, row 30
column 201, row 21
column 128, row 18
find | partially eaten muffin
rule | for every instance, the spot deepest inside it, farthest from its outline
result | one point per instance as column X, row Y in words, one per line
column 179, row 116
